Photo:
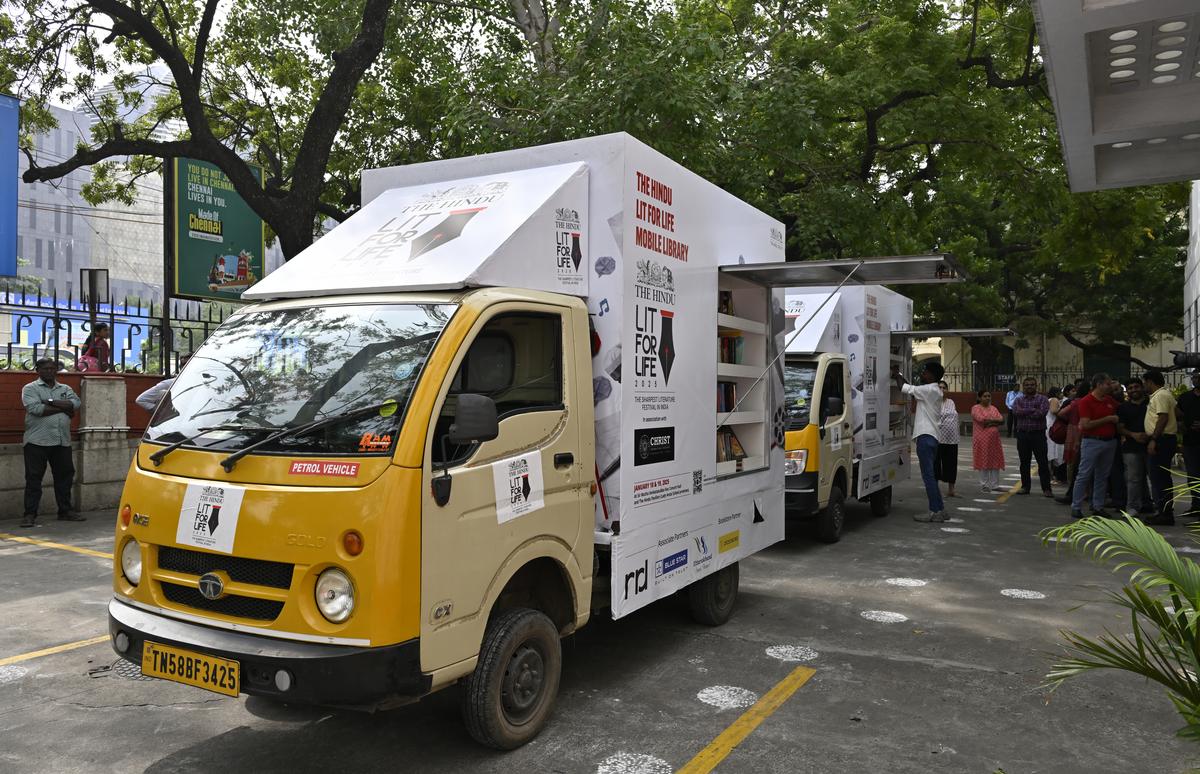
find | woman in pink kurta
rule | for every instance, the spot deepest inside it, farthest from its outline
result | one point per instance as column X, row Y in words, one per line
column 985, row 442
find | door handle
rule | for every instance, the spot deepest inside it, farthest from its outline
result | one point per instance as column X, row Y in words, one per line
column 564, row 460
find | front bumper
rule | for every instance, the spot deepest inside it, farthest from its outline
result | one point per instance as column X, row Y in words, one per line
column 330, row 675
column 800, row 496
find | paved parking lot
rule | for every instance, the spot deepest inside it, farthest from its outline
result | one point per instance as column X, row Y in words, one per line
column 922, row 664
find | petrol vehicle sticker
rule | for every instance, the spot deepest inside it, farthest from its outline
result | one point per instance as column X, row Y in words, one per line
column 519, row 487
column 208, row 516
column 323, row 468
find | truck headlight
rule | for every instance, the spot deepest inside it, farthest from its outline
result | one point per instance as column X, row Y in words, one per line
column 794, row 462
column 131, row 561
column 335, row 595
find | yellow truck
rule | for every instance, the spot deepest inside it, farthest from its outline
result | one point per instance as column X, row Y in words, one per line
column 486, row 405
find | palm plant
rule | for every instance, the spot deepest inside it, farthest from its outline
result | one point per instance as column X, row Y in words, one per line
column 1162, row 596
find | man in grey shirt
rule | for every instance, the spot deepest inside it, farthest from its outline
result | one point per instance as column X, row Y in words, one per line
column 49, row 407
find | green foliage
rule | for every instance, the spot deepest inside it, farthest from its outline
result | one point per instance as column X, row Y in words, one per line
column 869, row 127
column 1163, row 644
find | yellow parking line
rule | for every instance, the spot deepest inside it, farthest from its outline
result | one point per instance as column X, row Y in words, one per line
column 707, row 759
column 1004, row 497
column 52, row 651
column 52, row 544
column 1033, row 472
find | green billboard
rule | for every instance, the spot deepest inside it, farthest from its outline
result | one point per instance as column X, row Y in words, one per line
column 219, row 240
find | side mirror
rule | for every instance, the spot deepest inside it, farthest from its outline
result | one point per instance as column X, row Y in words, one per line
column 834, row 406
column 474, row 420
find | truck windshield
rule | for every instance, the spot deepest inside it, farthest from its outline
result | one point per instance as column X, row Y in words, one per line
column 798, row 380
column 266, row 370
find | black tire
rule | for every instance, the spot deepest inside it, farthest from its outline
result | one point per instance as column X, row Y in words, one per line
column 881, row 502
column 712, row 598
column 832, row 517
column 511, row 693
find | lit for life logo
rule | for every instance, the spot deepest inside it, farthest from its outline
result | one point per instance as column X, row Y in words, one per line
column 568, row 252
column 654, row 345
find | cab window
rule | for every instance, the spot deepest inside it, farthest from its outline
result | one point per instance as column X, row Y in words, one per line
column 516, row 360
column 833, row 386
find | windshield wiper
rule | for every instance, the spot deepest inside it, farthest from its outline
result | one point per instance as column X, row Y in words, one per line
column 307, row 427
column 158, row 456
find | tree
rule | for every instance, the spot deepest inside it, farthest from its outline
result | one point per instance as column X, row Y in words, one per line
column 237, row 102
column 868, row 127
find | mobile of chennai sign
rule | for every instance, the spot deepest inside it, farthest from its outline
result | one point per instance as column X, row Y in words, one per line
column 10, row 109
column 219, row 240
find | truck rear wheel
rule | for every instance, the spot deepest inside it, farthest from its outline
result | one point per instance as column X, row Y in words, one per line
column 832, row 518
column 881, row 502
column 511, row 693
column 712, row 598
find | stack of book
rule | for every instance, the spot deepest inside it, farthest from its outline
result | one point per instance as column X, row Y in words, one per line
column 728, row 446
column 726, row 396
column 731, row 349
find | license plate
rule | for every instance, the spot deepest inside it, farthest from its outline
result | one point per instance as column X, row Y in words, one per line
column 182, row 666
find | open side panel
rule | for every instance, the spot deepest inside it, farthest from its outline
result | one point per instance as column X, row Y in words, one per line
column 936, row 268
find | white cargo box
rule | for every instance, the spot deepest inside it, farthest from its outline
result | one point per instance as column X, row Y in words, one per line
column 640, row 237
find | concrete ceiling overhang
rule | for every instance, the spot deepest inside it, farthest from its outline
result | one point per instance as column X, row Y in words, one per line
column 1125, row 79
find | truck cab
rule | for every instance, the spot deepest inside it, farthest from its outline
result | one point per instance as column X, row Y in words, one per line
column 819, row 464
column 356, row 501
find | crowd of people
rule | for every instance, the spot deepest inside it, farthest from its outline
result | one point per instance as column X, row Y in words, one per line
column 1112, row 447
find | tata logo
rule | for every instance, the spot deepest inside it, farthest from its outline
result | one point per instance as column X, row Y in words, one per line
column 212, row 586
column 639, row 579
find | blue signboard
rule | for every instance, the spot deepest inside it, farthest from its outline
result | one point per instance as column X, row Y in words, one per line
column 9, row 110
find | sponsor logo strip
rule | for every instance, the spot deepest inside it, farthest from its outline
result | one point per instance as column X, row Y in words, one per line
column 729, row 541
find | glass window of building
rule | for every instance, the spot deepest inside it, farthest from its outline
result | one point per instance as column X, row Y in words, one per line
column 37, row 254
column 50, row 254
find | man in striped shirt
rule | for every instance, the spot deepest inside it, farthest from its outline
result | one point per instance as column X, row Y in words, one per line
column 1030, row 410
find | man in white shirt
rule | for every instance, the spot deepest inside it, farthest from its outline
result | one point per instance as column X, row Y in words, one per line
column 928, row 396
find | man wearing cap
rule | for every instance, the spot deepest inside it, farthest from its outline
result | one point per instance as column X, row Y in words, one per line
column 1188, row 413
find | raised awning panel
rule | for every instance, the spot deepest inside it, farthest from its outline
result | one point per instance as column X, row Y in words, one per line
column 937, row 268
column 966, row 333
column 524, row 228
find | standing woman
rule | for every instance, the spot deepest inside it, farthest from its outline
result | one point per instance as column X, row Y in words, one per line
column 945, row 464
column 1054, row 451
column 985, row 442
column 96, row 352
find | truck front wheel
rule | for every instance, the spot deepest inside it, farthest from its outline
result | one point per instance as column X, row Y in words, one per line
column 881, row 502
column 712, row 598
column 511, row 693
column 831, row 519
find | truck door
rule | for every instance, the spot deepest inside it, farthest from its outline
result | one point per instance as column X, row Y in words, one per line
column 526, row 490
column 833, row 419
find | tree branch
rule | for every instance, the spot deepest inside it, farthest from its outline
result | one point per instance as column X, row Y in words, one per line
column 872, row 118
column 205, row 29
column 351, row 63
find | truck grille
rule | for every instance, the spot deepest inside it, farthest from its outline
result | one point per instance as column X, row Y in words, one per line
column 236, row 606
column 257, row 572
